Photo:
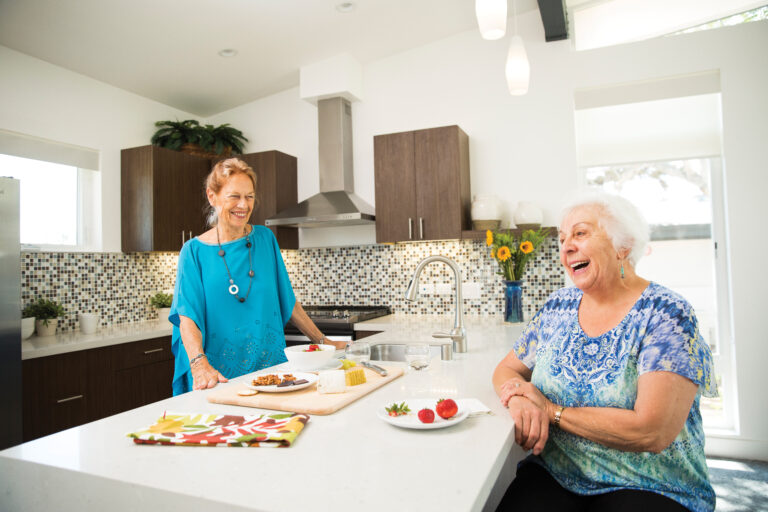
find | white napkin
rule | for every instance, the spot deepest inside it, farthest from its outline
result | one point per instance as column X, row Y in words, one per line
column 475, row 406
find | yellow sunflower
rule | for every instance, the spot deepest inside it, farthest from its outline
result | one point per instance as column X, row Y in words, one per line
column 504, row 253
column 488, row 238
column 526, row 247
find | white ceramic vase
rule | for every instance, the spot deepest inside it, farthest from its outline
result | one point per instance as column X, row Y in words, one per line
column 528, row 215
column 46, row 330
column 27, row 327
column 485, row 207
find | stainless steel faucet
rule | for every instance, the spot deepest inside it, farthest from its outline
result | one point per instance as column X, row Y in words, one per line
column 458, row 334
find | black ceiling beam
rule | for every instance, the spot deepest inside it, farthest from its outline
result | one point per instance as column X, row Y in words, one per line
column 555, row 19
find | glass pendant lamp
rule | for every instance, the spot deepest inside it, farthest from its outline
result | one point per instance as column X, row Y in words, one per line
column 517, row 70
column 491, row 18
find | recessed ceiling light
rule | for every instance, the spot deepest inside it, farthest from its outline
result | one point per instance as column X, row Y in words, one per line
column 345, row 7
column 228, row 52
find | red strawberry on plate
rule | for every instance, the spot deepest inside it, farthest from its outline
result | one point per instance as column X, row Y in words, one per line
column 426, row 415
column 446, row 408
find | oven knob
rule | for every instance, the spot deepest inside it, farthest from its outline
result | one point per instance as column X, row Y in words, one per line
column 336, row 313
column 345, row 314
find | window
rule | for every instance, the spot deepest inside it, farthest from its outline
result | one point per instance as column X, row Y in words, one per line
column 657, row 143
column 57, row 199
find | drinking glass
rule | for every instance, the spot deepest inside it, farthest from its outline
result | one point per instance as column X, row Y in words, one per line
column 418, row 356
column 358, row 351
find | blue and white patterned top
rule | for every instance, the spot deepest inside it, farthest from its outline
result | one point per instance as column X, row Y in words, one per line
column 660, row 333
column 238, row 338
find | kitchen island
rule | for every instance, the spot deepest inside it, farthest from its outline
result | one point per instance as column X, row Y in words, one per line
column 344, row 461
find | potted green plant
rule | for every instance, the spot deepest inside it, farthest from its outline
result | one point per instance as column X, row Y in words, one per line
column 162, row 302
column 206, row 141
column 46, row 313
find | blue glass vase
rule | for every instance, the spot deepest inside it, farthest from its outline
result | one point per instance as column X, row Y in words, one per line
column 513, row 301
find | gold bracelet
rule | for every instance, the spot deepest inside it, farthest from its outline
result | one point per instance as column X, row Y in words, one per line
column 558, row 415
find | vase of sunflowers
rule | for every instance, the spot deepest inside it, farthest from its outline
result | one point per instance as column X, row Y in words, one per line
column 512, row 255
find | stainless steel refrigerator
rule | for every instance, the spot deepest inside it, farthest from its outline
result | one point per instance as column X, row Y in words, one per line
column 10, row 314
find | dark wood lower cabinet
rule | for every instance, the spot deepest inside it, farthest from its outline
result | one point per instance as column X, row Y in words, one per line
column 68, row 390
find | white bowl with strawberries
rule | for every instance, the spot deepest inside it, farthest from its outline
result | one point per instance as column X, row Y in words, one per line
column 309, row 357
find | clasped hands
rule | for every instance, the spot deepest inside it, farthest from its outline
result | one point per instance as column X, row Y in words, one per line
column 530, row 410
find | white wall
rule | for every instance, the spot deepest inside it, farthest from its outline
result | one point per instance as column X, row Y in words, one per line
column 523, row 148
column 43, row 100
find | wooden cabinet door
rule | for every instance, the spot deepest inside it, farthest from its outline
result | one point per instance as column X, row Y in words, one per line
column 395, row 184
column 442, row 183
column 178, row 198
column 276, row 190
column 144, row 372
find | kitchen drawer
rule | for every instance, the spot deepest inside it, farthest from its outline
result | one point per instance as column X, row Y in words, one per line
column 139, row 353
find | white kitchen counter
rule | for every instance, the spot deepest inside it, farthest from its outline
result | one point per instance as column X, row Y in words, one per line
column 350, row 460
column 41, row 346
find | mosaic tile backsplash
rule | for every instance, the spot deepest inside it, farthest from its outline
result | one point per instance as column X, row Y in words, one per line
column 118, row 286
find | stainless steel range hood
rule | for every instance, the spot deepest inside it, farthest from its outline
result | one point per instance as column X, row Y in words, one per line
column 336, row 204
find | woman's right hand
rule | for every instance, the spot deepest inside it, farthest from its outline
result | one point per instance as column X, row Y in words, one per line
column 531, row 424
column 205, row 376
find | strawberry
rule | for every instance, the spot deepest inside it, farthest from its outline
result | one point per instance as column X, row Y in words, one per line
column 396, row 409
column 446, row 408
column 426, row 415
column 312, row 348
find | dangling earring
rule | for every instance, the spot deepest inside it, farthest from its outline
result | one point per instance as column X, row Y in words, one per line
column 622, row 270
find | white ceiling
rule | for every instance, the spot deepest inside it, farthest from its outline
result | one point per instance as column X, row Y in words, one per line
column 167, row 50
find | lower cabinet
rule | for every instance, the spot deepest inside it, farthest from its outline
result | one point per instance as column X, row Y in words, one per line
column 67, row 390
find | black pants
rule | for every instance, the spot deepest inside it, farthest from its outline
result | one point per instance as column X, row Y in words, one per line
column 535, row 489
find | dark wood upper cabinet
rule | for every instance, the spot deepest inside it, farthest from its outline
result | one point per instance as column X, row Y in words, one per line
column 163, row 201
column 422, row 184
column 276, row 190
column 162, row 198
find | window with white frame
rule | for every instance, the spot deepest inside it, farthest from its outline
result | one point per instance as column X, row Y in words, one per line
column 58, row 194
column 660, row 148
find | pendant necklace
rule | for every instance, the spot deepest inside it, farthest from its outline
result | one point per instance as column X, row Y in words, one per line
column 233, row 288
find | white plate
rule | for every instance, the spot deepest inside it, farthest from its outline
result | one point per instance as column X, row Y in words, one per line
column 412, row 420
column 311, row 379
column 330, row 365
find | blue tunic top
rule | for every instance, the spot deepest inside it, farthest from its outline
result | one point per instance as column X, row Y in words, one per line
column 238, row 338
column 660, row 333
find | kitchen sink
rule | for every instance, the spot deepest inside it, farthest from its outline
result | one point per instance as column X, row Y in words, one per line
column 396, row 351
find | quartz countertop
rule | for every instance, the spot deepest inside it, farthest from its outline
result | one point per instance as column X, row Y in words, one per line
column 347, row 460
column 41, row 346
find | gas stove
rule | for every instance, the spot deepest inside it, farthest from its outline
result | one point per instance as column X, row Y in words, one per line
column 336, row 322
column 339, row 315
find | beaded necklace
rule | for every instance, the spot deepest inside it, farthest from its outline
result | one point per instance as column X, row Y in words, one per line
column 233, row 288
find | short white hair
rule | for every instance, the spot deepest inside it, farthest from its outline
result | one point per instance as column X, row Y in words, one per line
column 621, row 220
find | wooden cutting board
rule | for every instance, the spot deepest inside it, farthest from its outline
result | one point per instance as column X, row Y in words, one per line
column 306, row 400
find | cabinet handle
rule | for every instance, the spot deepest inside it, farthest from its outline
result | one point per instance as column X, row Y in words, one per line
column 182, row 237
column 152, row 351
column 421, row 228
column 190, row 236
column 76, row 397
column 410, row 228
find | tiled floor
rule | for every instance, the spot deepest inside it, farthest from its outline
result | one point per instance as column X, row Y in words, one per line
column 740, row 485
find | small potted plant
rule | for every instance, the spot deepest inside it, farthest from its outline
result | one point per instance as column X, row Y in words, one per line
column 205, row 141
column 46, row 313
column 27, row 323
column 162, row 302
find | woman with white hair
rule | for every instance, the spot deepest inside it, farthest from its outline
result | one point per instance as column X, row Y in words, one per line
column 605, row 381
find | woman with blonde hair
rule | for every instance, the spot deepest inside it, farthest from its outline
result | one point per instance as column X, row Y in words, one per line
column 233, row 296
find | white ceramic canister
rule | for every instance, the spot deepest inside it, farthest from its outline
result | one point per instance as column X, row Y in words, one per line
column 528, row 213
column 485, row 207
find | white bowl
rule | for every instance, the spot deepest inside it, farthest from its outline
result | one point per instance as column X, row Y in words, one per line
column 300, row 360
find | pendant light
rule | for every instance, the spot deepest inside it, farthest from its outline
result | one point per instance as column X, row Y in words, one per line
column 491, row 18
column 518, row 70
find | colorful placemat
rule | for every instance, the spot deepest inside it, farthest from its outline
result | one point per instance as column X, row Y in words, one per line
column 277, row 430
